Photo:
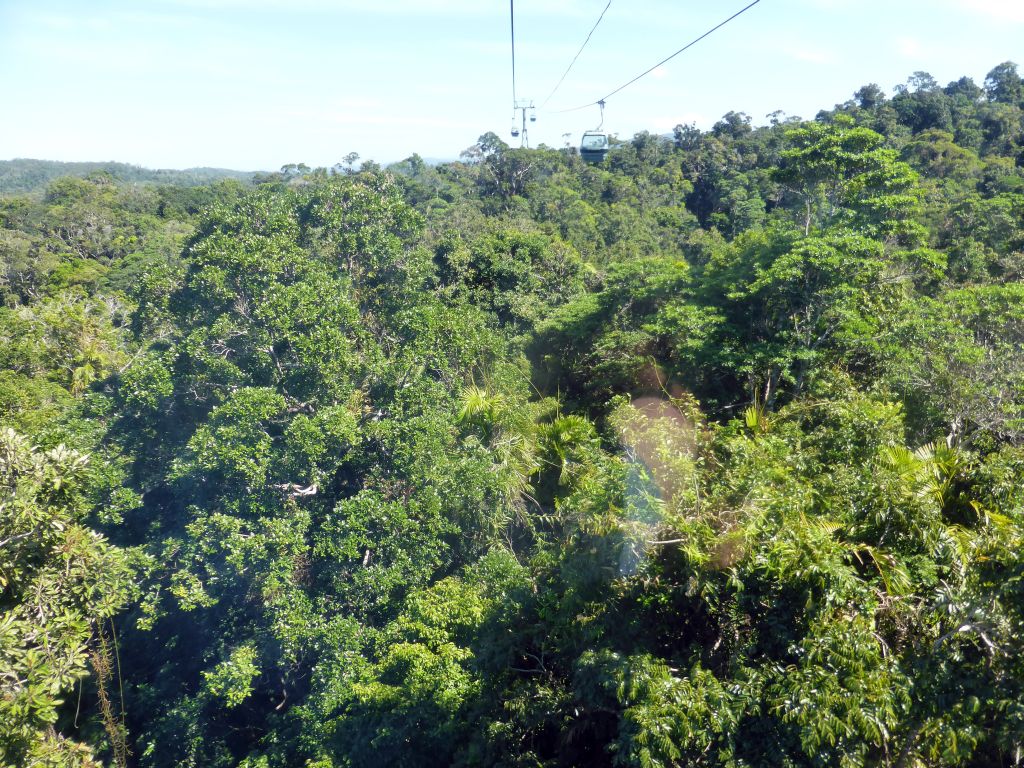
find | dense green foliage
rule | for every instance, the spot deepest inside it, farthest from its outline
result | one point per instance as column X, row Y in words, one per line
column 711, row 454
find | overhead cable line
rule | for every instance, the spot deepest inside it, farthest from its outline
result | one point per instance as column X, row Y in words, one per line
column 663, row 61
column 512, row 27
column 523, row 106
column 571, row 63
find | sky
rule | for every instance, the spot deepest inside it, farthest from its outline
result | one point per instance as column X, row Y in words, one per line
column 256, row 84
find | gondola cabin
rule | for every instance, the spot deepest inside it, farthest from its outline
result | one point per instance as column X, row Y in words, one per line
column 594, row 146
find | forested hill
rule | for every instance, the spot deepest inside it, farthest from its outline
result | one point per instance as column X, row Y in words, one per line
column 711, row 454
column 22, row 176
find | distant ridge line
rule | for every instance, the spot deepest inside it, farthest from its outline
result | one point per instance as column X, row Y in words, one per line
column 27, row 175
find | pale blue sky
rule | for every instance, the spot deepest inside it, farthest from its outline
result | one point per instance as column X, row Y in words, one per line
column 254, row 84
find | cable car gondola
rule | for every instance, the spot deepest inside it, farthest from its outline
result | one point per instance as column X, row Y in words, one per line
column 594, row 146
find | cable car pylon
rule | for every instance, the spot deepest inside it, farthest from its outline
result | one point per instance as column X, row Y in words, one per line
column 526, row 110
